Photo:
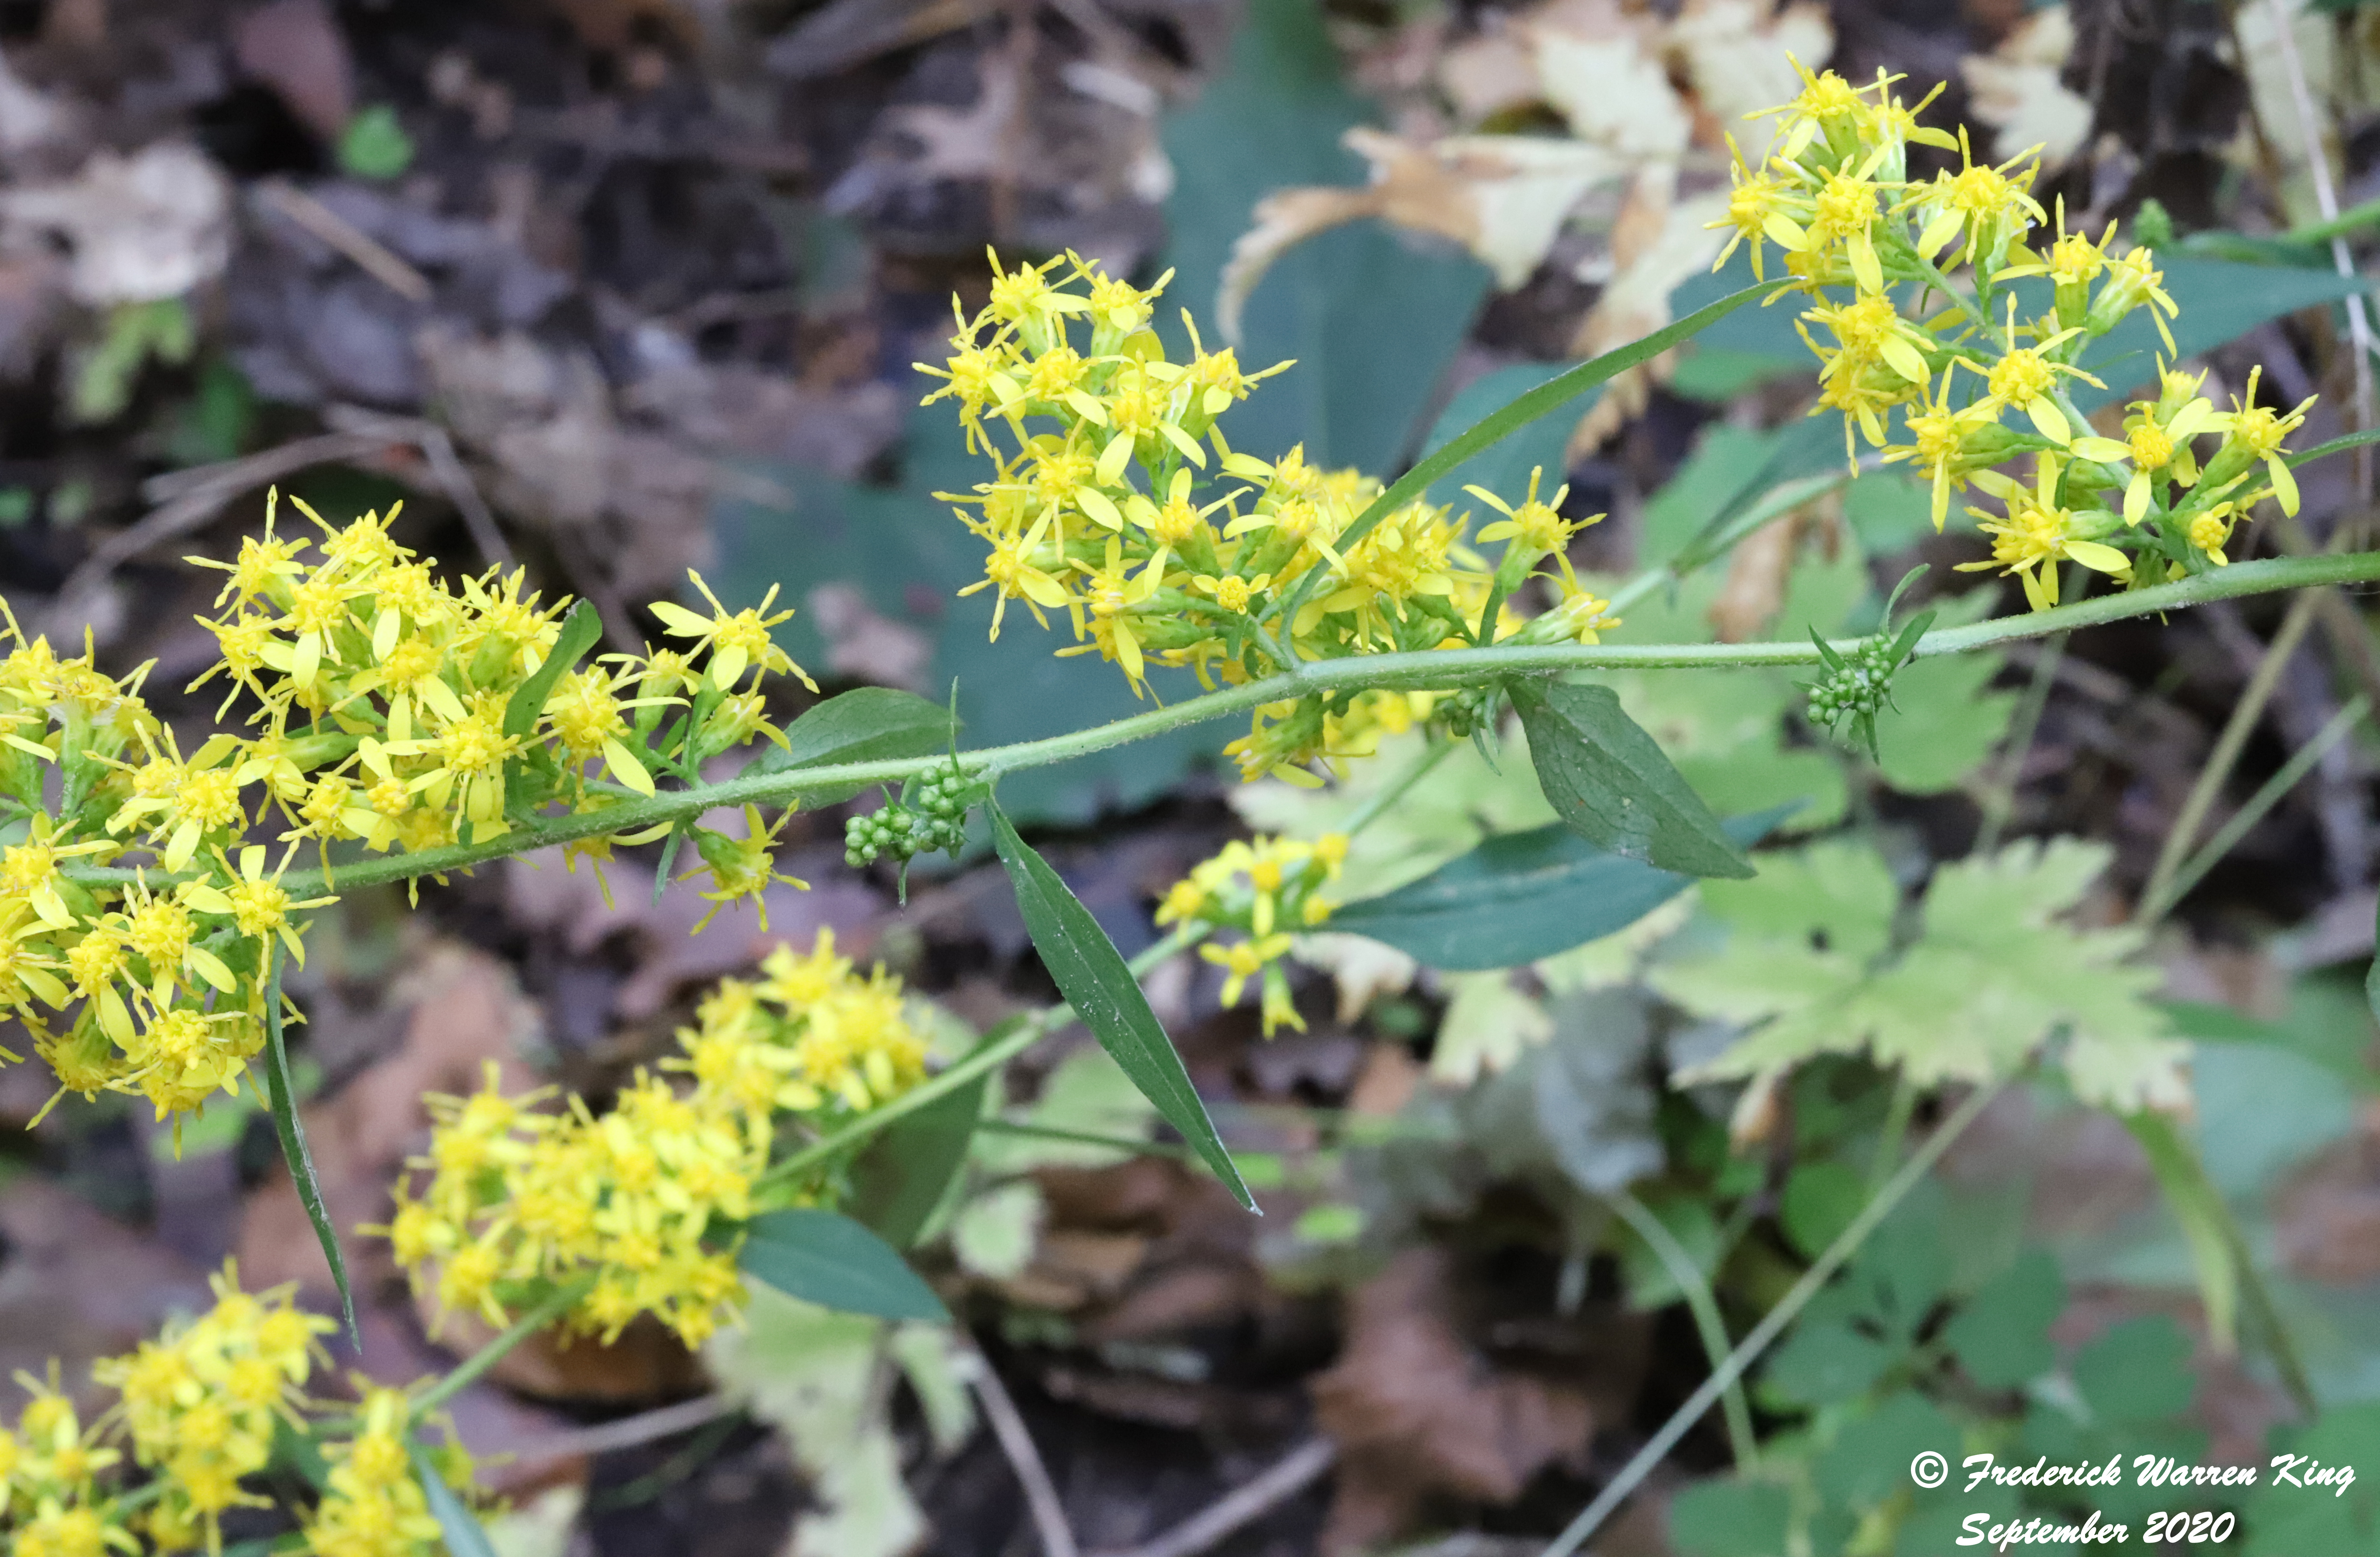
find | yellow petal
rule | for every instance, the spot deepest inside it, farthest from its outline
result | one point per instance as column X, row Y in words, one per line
column 2104, row 450
column 623, row 766
column 1098, row 507
column 1110, row 469
column 2100, row 558
column 679, row 620
column 2048, row 419
column 211, row 970
column 2136, row 498
column 2285, row 485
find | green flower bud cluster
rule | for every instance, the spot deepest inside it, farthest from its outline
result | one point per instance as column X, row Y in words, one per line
column 932, row 815
column 1858, row 686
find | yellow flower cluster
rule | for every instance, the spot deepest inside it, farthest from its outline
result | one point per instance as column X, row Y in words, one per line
column 139, row 916
column 642, row 1200
column 203, row 1406
column 1834, row 195
column 1265, row 889
column 373, row 1504
column 1115, row 499
column 202, row 1403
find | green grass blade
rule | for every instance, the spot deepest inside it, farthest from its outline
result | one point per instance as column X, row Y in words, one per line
column 1091, row 974
column 284, row 1098
column 456, row 1524
column 581, row 629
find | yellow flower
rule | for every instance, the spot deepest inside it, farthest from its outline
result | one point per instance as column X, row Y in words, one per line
column 2255, row 433
column 2156, row 444
column 2026, row 379
column 2037, row 534
column 736, row 641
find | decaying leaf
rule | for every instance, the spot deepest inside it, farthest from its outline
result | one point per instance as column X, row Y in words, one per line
column 1503, row 197
column 2016, row 90
column 1417, row 1410
column 140, row 228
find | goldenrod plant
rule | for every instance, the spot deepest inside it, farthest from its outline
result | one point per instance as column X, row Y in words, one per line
column 395, row 722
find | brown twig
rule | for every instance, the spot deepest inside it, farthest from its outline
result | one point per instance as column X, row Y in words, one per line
column 1041, row 1493
column 1295, row 1471
column 369, row 254
column 626, row 1433
column 452, row 477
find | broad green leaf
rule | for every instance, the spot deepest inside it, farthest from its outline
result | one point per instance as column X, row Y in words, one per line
column 825, row 1258
column 2137, row 1371
column 1092, row 976
column 1371, row 319
column 1821, row 1198
column 864, row 725
column 1608, row 782
column 905, row 1172
column 1836, row 891
column 1869, row 1461
column 1726, row 1518
column 283, row 1096
column 457, row 1526
column 2001, row 1335
column 2285, row 1520
column 994, row 1235
column 1943, row 722
column 1995, row 970
column 1822, row 1364
column 1502, row 468
column 1518, row 897
column 581, row 630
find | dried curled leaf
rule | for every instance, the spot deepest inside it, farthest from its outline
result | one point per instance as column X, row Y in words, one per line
column 2016, row 90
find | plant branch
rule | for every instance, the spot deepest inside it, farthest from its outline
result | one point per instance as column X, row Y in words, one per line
column 1696, row 1288
column 487, row 1356
column 1426, row 669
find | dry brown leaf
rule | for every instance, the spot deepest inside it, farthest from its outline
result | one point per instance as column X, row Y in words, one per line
column 2016, row 89
column 1416, row 1410
column 294, row 47
column 1738, row 56
column 867, row 646
column 1503, row 197
column 76, row 1285
column 1601, row 69
column 1487, row 75
column 1753, row 589
column 140, row 228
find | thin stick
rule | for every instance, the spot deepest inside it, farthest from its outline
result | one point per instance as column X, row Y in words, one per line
column 2359, row 323
column 2228, row 836
column 369, row 254
column 1291, row 1475
column 1999, row 800
column 2227, row 746
column 1748, row 1351
column 626, row 1433
column 1041, row 1493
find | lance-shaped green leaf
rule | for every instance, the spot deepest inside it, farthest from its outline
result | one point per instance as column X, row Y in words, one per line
column 1521, row 897
column 457, row 1524
column 1611, row 784
column 903, row 1176
column 581, row 629
column 825, row 1258
column 864, row 725
column 283, row 1097
column 1091, row 974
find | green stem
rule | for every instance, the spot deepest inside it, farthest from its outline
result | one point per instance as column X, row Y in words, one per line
column 487, row 1356
column 1896, row 1131
column 1700, row 1302
column 1388, row 794
column 2228, row 836
column 1999, row 800
column 1426, row 669
column 1748, row 1351
column 986, row 1057
column 1129, row 1145
column 2228, row 748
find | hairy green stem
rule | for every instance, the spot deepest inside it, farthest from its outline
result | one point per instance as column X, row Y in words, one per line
column 487, row 1356
column 1426, row 669
column 1701, row 1303
column 1748, row 1351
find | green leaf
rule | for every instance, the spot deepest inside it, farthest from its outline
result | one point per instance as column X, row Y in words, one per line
column 903, row 1176
column 864, row 725
column 2285, row 1520
column 1609, row 783
column 1725, row 1518
column 1820, row 1200
column 2137, row 1372
column 1504, row 468
column 581, row 629
column 1868, row 1462
column 456, row 1524
column 1995, row 970
column 1822, row 1364
column 1092, row 976
column 374, row 144
column 283, row 1096
column 825, row 1258
column 2002, row 1337
column 2220, row 300
column 1521, row 897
